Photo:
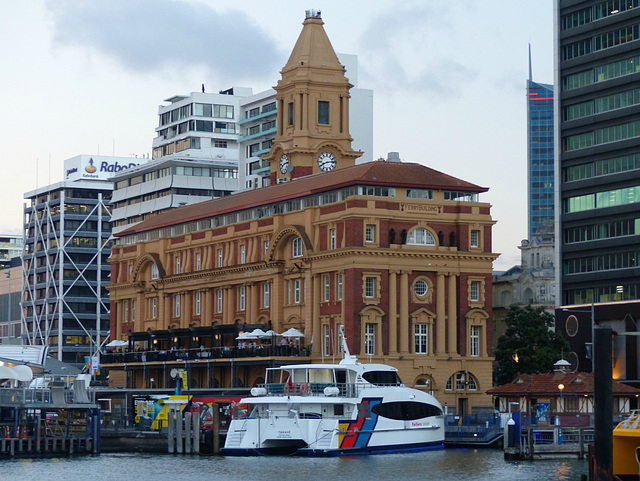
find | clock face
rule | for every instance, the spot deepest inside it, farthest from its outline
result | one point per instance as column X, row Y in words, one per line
column 284, row 163
column 326, row 161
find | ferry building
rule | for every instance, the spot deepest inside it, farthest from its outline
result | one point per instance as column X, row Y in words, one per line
column 396, row 253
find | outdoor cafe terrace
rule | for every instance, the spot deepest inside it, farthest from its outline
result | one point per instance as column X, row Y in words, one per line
column 201, row 343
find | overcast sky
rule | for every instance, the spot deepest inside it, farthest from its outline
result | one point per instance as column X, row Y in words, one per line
column 87, row 77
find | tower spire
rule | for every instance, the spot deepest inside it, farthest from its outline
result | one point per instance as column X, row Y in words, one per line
column 313, row 108
column 530, row 69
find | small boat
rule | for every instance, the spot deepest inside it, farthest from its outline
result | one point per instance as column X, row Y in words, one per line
column 335, row 409
column 626, row 446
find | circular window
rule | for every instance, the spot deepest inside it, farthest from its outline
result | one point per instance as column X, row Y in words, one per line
column 421, row 287
column 571, row 325
column 575, row 362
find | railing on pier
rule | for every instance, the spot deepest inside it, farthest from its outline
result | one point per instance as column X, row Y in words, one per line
column 554, row 441
column 54, row 395
column 200, row 354
column 472, row 429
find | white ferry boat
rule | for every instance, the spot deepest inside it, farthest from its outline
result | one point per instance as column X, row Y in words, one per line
column 335, row 409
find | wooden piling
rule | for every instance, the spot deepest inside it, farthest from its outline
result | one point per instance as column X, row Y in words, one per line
column 216, row 429
column 171, row 432
column 187, row 433
column 196, row 432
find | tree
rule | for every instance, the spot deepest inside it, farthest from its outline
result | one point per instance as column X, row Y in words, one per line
column 529, row 345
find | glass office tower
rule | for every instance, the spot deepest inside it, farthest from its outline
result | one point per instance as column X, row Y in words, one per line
column 540, row 159
column 598, row 144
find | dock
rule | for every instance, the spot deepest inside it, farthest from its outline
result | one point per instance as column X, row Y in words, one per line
column 533, row 442
column 50, row 421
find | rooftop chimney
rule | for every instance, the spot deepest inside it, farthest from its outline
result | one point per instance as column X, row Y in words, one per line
column 393, row 157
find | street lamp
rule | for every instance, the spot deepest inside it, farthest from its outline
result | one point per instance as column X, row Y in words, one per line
column 561, row 387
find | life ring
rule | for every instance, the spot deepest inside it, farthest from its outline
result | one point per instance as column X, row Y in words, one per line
column 304, row 388
column 289, row 388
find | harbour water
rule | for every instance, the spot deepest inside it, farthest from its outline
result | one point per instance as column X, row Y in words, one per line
column 444, row 465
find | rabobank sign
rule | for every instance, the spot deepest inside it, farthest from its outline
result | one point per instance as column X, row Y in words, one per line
column 98, row 167
column 116, row 166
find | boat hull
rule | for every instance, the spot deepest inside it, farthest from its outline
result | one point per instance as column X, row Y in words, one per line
column 332, row 437
column 405, row 448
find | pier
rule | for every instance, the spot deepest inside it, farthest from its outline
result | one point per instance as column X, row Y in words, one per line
column 51, row 421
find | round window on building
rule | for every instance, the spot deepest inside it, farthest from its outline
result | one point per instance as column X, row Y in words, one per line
column 421, row 287
column 571, row 325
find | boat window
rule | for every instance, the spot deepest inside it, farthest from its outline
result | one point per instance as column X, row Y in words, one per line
column 341, row 377
column 386, row 378
column 405, row 410
column 338, row 409
column 299, row 375
column 320, row 376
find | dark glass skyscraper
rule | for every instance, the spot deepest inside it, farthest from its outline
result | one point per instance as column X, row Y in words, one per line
column 540, row 158
column 598, row 143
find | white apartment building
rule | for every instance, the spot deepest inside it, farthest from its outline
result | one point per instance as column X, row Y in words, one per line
column 209, row 145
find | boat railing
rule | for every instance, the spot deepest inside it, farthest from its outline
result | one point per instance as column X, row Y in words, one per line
column 632, row 421
column 313, row 389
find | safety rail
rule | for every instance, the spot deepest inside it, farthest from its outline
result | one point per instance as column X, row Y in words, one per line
column 54, row 396
column 319, row 389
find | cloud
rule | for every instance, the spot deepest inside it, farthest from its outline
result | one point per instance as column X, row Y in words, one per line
column 157, row 36
column 410, row 47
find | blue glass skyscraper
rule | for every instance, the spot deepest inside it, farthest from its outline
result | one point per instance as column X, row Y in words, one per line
column 540, row 159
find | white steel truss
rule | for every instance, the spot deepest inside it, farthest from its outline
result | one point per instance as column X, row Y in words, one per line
column 46, row 245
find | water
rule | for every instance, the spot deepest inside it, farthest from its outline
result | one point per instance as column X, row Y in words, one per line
column 444, row 465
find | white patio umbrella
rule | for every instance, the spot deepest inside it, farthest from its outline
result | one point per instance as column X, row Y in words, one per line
column 259, row 333
column 272, row 333
column 246, row 336
column 117, row 343
column 293, row 332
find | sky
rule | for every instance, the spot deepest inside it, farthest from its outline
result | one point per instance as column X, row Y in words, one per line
column 449, row 79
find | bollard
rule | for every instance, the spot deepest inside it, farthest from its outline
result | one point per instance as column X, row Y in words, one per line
column 511, row 433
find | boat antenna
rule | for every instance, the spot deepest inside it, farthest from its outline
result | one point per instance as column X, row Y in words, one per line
column 347, row 357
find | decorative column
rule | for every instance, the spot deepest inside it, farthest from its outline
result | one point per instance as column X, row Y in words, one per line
column 452, row 318
column 205, row 307
column 317, row 335
column 186, row 308
column 403, row 324
column 167, row 302
column 252, row 305
column 393, row 313
column 118, row 312
column 440, row 315
column 227, row 303
column 305, row 111
column 140, row 312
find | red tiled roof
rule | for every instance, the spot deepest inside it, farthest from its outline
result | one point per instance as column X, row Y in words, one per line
column 377, row 173
column 547, row 384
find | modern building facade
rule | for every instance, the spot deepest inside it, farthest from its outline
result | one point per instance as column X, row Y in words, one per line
column 397, row 253
column 166, row 183
column 598, row 150
column 10, row 294
column 540, row 157
column 10, row 249
column 598, row 162
column 64, row 303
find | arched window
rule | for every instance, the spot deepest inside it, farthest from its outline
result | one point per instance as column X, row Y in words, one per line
column 421, row 236
column 462, row 381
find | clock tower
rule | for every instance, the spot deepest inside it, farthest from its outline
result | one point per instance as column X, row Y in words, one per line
column 313, row 109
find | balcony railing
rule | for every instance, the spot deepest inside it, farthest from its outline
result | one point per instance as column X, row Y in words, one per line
column 199, row 354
